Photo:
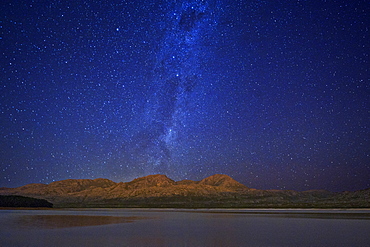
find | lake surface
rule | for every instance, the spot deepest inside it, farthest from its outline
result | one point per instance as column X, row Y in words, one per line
column 175, row 227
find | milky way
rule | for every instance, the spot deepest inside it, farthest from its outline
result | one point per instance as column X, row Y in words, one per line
column 274, row 94
column 177, row 85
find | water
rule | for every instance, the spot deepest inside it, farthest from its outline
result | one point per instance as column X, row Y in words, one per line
column 153, row 227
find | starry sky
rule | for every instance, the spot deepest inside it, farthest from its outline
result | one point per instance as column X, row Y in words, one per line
column 273, row 93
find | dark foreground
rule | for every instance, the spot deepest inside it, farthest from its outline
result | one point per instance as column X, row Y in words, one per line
column 171, row 227
column 23, row 201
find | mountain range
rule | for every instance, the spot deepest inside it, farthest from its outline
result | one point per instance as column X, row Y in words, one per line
column 160, row 191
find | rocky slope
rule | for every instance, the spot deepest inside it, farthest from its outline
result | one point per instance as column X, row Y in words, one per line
column 160, row 191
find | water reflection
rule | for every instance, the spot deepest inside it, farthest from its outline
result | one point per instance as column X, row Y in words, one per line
column 64, row 221
column 317, row 215
column 170, row 227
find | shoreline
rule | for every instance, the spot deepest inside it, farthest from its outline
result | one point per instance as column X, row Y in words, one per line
column 308, row 213
column 192, row 209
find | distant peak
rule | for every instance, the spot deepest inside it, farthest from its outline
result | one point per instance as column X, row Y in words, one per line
column 220, row 176
column 151, row 180
column 158, row 176
column 222, row 180
column 102, row 179
column 154, row 176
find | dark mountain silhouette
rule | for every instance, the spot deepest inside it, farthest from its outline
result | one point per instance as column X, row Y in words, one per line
column 160, row 191
column 22, row 201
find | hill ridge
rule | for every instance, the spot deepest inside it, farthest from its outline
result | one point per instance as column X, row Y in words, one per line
column 158, row 190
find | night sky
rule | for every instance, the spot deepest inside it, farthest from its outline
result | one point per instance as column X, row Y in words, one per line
column 273, row 93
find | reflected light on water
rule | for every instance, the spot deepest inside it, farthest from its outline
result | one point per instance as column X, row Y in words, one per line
column 64, row 221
